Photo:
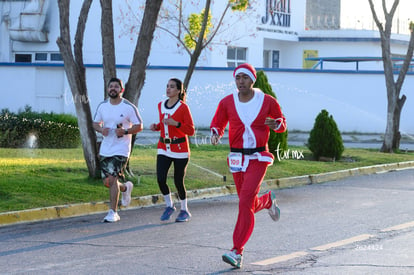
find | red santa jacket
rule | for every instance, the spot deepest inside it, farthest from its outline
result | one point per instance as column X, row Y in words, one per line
column 170, row 134
column 247, row 127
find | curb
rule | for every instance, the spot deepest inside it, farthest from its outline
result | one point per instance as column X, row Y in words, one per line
column 82, row 209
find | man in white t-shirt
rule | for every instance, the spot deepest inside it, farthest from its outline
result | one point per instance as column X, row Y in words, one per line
column 117, row 120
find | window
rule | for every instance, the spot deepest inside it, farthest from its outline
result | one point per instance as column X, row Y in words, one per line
column 38, row 57
column 236, row 56
column 41, row 56
column 271, row 59
column 56, row 57
column 19, row 57
column 275, row 59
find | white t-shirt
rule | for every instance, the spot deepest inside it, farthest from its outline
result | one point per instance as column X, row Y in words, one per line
column 110, row 116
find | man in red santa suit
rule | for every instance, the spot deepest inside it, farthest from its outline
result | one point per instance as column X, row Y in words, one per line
column 250, row 114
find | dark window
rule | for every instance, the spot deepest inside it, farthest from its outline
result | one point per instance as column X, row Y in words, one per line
column 275, row 59
column 27, row 58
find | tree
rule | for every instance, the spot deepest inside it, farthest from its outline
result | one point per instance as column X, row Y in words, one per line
column 325, row 140
column 194, row 33
column 75, row 69
column 392, row 135
column 75, row 73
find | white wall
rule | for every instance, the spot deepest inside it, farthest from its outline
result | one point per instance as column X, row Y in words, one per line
column 357, row 101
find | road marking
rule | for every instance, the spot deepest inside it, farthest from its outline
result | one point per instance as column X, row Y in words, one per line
column 399, row 227
column 343, row 242
column 317, row 248
column 282, row 258
column 328, row 246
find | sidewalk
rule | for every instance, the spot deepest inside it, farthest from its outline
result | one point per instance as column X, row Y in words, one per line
column 72, row 210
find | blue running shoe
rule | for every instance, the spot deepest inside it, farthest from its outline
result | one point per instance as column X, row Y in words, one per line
column 167, row 213
column 233, row 259
column 274, row 210
column 184, row 216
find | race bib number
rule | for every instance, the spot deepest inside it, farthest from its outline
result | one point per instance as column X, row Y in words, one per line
column 235, row 162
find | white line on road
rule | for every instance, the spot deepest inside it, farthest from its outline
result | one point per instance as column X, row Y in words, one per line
column 282, row 258
column 328, row 246
column 399, row 227
column 343, row 242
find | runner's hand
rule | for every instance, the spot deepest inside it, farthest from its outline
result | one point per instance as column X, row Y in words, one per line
column 214, row 139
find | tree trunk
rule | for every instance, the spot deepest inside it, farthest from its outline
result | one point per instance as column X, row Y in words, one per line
column 137, row 74
column 108, row 43
column 75, row 73
column 392, row 136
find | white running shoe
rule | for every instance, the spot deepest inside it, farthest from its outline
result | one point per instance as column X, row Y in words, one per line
column 112, row 216
column 126, row 196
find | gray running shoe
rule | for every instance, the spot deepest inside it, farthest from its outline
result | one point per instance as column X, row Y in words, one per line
column 274, row 210
column 233, row 259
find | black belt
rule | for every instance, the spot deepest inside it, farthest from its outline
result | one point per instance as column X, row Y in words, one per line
column 172, row 140
column 248, row 151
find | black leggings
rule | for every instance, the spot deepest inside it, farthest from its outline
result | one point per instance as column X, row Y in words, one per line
column 180, row 167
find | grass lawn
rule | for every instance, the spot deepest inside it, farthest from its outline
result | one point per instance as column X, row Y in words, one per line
column 31, row 178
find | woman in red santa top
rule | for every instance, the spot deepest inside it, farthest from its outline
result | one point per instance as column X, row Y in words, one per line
column 251, row 115
column 176, row 124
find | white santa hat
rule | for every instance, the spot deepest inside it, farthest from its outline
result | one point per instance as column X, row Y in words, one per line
column 246, row 69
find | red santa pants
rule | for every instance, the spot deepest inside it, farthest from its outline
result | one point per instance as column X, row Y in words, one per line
column 248, row 187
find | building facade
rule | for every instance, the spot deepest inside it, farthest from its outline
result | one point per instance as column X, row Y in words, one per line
column 270, row 34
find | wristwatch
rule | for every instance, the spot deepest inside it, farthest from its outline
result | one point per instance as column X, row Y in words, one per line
column 126, row 132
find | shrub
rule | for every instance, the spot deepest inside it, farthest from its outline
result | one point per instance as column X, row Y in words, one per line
column 275, row 139
column 325, row 140
column 41, row 130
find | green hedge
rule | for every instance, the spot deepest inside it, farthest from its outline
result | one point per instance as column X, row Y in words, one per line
column 38, row 130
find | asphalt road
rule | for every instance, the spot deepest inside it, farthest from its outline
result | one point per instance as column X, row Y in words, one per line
column 358, row 225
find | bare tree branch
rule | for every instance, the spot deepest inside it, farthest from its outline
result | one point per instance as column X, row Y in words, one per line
column 407, row 62
column 80, row 31
column 219, row 24
column 177, row 37
column 375, row 16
